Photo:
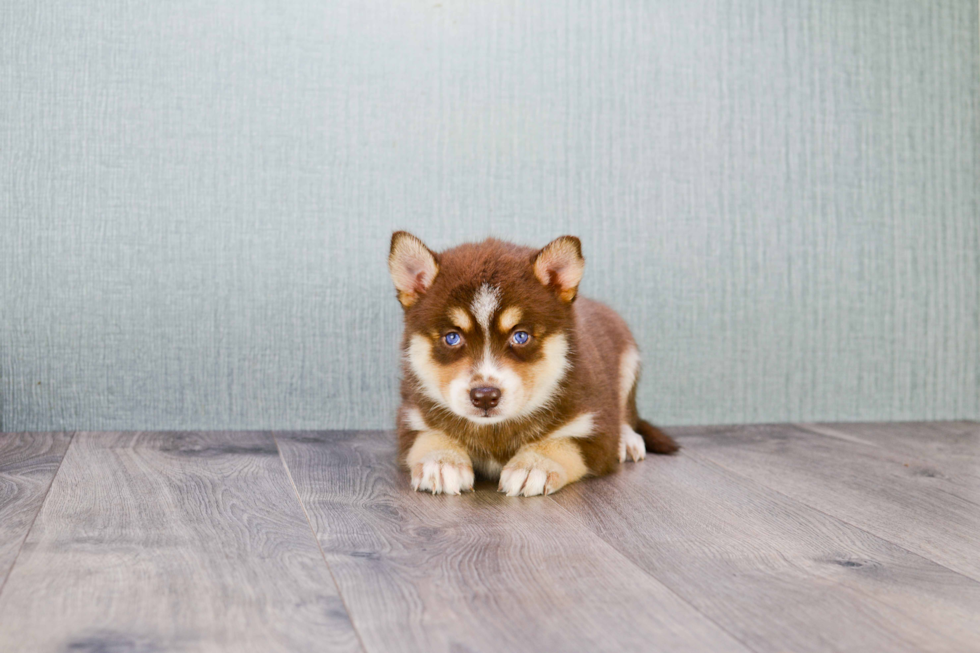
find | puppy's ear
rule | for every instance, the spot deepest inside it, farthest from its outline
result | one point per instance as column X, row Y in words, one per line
column 413, row 267
column 560, row 266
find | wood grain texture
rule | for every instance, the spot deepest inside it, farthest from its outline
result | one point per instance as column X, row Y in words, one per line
column 172, row 541
column 870, row 487
column 780, row 197
column 776, row 574
column 480, row 572
column 945, row 450
column 842, row 537
column 28, row 462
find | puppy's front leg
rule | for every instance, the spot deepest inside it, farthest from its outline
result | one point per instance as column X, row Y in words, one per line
column 439, row 465
column 543, row 467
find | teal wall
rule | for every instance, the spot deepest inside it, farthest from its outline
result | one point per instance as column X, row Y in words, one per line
column 782, row 198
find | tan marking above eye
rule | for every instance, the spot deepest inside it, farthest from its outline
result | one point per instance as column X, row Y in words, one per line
column 461, row 319
column 509, row 318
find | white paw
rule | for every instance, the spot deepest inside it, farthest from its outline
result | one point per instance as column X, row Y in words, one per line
column 530, row 474
column 443, row 472
column 631, row 444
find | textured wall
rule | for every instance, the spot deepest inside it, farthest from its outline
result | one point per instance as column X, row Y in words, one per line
column 783, row 198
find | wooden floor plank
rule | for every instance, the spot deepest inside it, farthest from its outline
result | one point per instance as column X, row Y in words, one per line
column 478, row 572
column 172, row 541
column 943, row 450
column 776, row 574
column 28, row 462
column 873, row 488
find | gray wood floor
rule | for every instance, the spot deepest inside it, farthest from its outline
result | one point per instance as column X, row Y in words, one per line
column 806, row 537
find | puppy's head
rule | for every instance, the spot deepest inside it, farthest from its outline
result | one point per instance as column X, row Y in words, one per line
column 486, row 324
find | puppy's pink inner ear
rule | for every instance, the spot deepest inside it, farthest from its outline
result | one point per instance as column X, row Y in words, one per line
column 422, row 281
column 413, row 268
column 560, row 266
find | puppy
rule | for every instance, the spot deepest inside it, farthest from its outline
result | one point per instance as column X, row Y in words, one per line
column 508, row 372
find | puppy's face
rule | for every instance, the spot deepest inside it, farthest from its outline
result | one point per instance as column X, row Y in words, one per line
column 486, row 324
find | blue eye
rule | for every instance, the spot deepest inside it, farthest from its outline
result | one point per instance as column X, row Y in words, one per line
column 452, row 338
column 520, row 337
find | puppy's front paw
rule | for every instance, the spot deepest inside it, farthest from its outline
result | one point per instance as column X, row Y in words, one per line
column 444, row 471
column 530, row 474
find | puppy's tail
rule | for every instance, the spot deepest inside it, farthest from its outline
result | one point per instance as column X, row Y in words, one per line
column 656, row 440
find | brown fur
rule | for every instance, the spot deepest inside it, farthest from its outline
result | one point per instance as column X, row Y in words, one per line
column 656, row 440
column 597, row 339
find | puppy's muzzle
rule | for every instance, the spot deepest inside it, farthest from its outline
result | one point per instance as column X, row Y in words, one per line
column 485, row 397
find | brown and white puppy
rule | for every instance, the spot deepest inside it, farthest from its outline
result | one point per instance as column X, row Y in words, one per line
column 506, row 371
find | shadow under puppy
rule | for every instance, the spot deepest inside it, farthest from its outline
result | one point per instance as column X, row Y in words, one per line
column 507, row 371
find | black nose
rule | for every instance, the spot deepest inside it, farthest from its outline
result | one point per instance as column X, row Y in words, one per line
column 485, row 398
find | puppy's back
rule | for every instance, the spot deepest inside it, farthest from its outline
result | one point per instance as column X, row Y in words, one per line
column 603, row 338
